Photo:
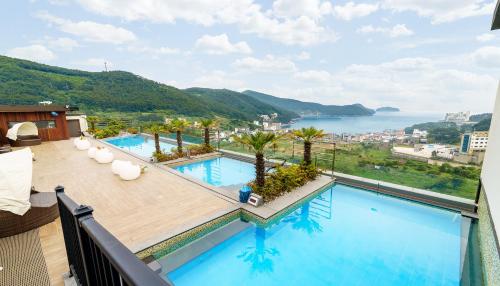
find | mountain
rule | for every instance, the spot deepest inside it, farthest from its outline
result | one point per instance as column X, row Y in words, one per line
column 310, row 108
column 483, row 125
column 238, row 104
column 387, row 109
column 480, row 117
column 26, row 82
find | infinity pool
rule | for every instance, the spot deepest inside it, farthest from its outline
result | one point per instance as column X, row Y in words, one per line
column 344, row 236
column 140, row 145
column 220, row 171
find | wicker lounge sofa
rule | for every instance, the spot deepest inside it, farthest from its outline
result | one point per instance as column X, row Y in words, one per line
column 43, row 210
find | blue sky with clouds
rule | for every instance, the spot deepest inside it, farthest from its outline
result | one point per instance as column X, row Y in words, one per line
column 417, row 55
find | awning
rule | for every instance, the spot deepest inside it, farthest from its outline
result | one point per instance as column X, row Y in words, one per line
column 15, row 181
column 496, row 18
column 22, row 129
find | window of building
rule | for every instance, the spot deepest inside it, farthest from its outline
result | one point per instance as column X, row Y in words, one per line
column 41, row 124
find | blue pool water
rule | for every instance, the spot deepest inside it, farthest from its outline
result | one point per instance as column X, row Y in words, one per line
column 141, row 145
column 220, row 171
column 344, row 236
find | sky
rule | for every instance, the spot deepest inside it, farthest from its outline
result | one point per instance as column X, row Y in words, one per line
column 420, row 56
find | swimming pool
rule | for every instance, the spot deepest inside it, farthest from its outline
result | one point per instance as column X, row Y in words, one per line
column 140, row 145
column 344, row 236
column 220, row 171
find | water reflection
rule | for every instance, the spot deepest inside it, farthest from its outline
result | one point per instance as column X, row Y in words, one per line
column 259, row 256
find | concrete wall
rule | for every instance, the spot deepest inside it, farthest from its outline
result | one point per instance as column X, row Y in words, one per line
column 489, row 206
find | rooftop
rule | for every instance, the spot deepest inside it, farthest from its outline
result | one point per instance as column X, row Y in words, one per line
column 33, row 108
column 159, row 203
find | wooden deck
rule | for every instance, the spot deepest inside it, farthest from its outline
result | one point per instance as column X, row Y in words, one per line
column 139, row 213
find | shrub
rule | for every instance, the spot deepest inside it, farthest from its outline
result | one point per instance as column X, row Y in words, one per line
column 284, row 180
column 132, row 130
column 162, row 157
column 199, row 149
column 106, row 132
column 193, row 151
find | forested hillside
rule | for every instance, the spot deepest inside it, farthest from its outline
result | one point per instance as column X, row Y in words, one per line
column 307, row 108
column 26, row 82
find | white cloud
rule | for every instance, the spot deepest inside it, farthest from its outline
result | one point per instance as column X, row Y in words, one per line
column 268, row 64
column 65, row 44
column 488, row 57
column 218, row 79
column 303, row 56
column 444, row 10
column 90, row 31
column 413, row 84
column 38, row 53
column 220, row 44
column 351, row 10
column 296, row 8
column 314, row 76
column 393, row 32
column 154, row 52
column 301, row 29
column 486, row 37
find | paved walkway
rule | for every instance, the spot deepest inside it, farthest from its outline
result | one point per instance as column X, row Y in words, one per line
column 139, row 213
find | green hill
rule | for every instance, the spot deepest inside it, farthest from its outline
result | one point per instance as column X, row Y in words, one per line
column 237, row 104
column 310, row 108
column 26, row 82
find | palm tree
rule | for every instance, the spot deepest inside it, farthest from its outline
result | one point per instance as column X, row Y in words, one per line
column 308, row 135
column 92, row 120
column 178, row 126
column 207, row 124
column 258, row 142
column 155, row 129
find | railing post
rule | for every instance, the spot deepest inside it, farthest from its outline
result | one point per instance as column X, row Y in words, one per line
column 81, row 213
column 72, row 218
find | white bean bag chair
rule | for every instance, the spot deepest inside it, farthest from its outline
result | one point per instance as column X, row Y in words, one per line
column 130, row 172
column 104, row 156
column 82, row 144
column 117, row 166
column 91, row 152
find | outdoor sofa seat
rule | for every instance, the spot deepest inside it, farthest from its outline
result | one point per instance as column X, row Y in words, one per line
column 26, row 140
column 21, row 207
column 43, row 210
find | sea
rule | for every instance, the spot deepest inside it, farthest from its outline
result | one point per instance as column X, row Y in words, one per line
column 379, row 122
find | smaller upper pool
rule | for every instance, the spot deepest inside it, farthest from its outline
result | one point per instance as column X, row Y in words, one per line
column 140, row 145
column 220, row 171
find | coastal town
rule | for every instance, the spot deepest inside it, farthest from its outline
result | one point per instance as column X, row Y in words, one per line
column 414, row 145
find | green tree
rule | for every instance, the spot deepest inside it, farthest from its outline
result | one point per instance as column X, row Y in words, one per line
column 444, row 135
column 92, row 120
column 178, row 126
column 308, row 135
column 156, row 129
column 206, row 124
column 258, row 142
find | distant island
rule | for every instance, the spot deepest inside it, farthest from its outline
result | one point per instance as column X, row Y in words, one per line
column 387, row 109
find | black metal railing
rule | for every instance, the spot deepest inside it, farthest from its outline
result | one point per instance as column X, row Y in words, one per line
column 95, row 256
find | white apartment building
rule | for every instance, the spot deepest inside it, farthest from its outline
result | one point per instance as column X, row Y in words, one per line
column 475, row 141
column 457, row 117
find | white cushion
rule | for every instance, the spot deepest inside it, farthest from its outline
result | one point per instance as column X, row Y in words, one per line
column 16, row 170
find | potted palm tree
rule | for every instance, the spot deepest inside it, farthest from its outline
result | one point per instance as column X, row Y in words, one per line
column 206, row 124
column 308, row 135
column 178, row 126
column 258, row 142
column 156, row 129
